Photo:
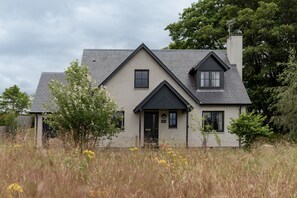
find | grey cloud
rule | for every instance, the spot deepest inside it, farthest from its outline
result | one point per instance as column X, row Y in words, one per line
column 37, row 36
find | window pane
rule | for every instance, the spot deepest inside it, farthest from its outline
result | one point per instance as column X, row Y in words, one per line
column 144, row 83
column 138, row 83
column 206, row 118
column 137, row 74
column 215, row 79
column 213, row 119
column 204, row 82
column 141, row 79
column 144, row 74
column 120, row 119
column 220, row 121
column 172, row 119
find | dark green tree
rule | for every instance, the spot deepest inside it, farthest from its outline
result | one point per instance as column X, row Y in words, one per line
column 12, row 99
column 12, row 103
column 286, row 106
column 269, row 31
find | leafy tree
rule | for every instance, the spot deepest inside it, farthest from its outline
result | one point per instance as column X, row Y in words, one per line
column 269, row 29
column 14, row 100
column 81, row 109
column 12, row 103
column 248, row 127
column 286, row 105
column 10, row 119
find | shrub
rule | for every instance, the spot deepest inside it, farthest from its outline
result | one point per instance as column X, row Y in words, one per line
column 248, row 127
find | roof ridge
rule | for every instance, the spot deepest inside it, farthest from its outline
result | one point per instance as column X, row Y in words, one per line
column 108, row 49
column 52, row 72
column 163, row 50
column 202, row 50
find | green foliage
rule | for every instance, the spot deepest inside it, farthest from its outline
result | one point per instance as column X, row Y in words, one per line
column 248, row 127
column 13, row 99
column 10, row 119
column 269, row 31
column 286, row 105
column 81, row 109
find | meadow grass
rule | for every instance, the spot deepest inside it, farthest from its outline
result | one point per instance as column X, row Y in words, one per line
column 130, row 172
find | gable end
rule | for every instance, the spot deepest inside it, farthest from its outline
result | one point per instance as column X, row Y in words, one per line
column 144, row 47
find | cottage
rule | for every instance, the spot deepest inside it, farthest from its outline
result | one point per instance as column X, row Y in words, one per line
column 164, row 94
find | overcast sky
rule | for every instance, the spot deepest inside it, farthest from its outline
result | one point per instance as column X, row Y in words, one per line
column 46, row 35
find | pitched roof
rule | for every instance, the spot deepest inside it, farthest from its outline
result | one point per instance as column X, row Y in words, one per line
column 165, row 97
column 210, row 54
column 42, row 95
column 144, row 47
column 103, row 62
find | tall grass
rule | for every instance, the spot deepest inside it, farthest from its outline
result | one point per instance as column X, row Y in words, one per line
column 262, row 172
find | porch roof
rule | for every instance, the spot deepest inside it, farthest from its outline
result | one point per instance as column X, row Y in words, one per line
column 164, row 96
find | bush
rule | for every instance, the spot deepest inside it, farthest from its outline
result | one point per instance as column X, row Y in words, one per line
column 248, row 127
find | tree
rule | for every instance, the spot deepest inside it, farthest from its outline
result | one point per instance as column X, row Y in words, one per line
column 286, row 106
column 12, row 103
column 14, row 100
column 81, row 109
column 248, row 127
column 269, row 31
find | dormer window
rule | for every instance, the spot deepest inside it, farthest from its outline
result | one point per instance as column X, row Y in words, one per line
column 210, row 79
column 209, row 72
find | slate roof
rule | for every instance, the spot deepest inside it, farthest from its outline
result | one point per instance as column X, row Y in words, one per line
column 42, row 94
column 102, row 62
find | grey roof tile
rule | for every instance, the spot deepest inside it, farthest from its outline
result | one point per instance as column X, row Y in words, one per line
column 42, row 95
column 103, row 62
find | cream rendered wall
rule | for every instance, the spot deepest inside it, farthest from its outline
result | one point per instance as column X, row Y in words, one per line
column 174, row 137
column 121, row 88
column 227, row 139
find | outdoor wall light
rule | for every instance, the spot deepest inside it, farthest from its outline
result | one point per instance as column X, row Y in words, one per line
column 163, row 116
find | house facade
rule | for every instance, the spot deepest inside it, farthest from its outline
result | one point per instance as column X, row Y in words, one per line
column 164, row 96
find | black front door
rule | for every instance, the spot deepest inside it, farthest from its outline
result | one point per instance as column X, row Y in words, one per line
column 151, row 125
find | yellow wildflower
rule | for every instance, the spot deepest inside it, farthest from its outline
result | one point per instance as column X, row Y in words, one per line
column 16, row 146
column 163, row 162
column 13, row 188
column 133, row 149
column 89, row 154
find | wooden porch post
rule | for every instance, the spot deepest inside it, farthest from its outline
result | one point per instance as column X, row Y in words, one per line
column 139, row 128
column 39, row 131
column 187, row 129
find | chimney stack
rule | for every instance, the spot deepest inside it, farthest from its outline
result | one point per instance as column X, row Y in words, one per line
column 234, row 51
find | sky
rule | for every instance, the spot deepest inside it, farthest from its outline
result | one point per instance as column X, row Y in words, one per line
column 46, row 35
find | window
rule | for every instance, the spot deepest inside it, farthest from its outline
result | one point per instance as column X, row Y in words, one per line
column 214, row 119
column 141, row 79
column 120, row 118
column 210, row 79
column 172, row 119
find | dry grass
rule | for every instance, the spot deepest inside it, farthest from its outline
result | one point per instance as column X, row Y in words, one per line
column 263, row 172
